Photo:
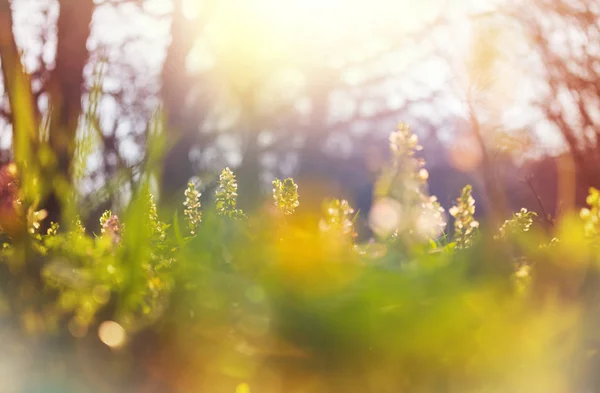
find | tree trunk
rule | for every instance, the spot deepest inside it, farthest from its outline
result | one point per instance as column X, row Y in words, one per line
column 496, row 199
column 65, row 89
column 175, row 88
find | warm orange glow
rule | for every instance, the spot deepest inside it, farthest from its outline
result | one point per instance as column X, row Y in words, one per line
column 465, row 153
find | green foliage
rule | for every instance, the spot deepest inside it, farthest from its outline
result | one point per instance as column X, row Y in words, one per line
column 251, row 303
column 90, row 134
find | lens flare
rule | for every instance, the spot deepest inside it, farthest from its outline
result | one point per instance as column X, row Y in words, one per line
column 385, row 216
column 112, row 334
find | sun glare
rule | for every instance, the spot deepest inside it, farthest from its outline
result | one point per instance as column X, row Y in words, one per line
column 291, row 20
column 250, row 39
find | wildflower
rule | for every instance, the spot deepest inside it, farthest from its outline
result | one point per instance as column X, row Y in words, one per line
column 431, row 222
column 227, row 195
column 12, row 217
column 519, row 223
column 338, row 217
column 405, row 182
column 464, row 223
column 192, row 211
column 103, row 220
column 158, row 228
column 523, row 271
column 34, row 219
column 53, row 230
column 522, row 275
column 591, row 214
column 403, row 142
column 78, row 230
column 285, row 195
column 110, row 225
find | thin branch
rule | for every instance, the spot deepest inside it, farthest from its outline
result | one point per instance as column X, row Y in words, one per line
column 547, row 217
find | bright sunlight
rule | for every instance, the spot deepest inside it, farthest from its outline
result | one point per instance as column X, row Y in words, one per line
column 269, row 32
